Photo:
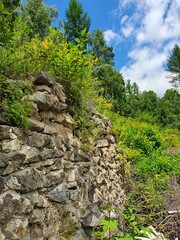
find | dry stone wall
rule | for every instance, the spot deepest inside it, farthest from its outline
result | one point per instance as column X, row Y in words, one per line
column 49, row 186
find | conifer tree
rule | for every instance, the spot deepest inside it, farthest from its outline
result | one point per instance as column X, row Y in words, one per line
column 77, row 21
column 100, row 49
column 173, row 66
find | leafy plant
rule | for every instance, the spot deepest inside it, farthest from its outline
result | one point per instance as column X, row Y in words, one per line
column 13, row 103
column 109, row 228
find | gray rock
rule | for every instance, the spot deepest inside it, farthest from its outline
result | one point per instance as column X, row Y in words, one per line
column 8, row 145
column 42, row 78
column 101, row 143
column 26, row 180
column 43, row 88
column 35, row 113
column 10, row 202
column 5, row 132
column 84, row 157
column 16, row 229
column 4, row 160
column 35, row 125
column 59, row 194
column 37, row 216
column 92, row 219
column 26, row 206
column 13, row 183
column 2, row 184
column 33, row 155
column 15, row 161
column 58, row 129
column 54, row 178
column 59, row 92
column 42, row 99
column 52, row 153
column 39, row 140
column 80, row 235
column 38, row 200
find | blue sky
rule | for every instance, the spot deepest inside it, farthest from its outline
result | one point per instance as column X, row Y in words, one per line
column 142, row 33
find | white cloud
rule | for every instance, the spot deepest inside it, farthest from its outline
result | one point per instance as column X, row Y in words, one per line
column 146, row 69
column 124, row 18
column 127, row 31
column 111, row 36
column 154, row 27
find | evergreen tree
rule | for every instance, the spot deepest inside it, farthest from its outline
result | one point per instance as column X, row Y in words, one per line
column 111, row 86
column 168, row 111
column 77, row 21
column 38, row 17
column 132, row 99
column 173, row 66
column 100, row 49
column 148, row 102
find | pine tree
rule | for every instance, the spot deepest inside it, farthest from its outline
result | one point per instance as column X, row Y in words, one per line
column 173, row 66
column 77, row 21
column 100, row 49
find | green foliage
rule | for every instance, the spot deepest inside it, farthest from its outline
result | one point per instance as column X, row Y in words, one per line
column 66, row 62
column 152, row 160
column 12, row 102
column 77, row 21
column 147, row 107
column 38, row 17
column 110, row 229
column 12, row 6
column 5, row 19
column 131, row 100
column 100, row 49
column 111, row 86
column 168, row 109
column 173, row 66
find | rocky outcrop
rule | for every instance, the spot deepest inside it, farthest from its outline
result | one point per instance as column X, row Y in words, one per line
column 49, row 186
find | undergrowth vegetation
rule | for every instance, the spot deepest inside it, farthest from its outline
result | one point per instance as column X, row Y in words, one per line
column 151, row 159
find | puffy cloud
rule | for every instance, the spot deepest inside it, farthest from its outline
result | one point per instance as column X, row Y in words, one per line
column 111, row 36
column 153, row 27
column 145, row 68
column 127, row 31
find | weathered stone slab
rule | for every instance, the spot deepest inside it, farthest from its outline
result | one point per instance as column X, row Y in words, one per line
column 42, row 78
column 39, row 140
column 4, row 132
column 9, row 145
column 36, row 125
column 15, row 160
column 9, row 204
column 26, row 180
column 101, row 143
column 43, row 88
column 58, row 129
column 59, row 194
column 54, row 178
column 42, row 99
column 16, row 229
column 4, row 160
column 37, row 216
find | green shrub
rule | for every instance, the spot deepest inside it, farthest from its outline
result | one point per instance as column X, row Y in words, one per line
column 13, row 103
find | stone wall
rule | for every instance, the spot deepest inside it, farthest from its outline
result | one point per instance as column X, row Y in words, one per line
column 49, row 186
